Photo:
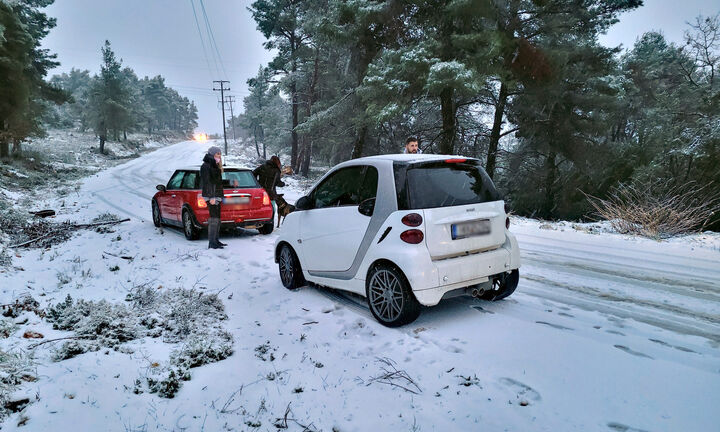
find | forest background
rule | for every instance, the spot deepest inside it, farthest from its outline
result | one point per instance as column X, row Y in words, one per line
column 524, row 85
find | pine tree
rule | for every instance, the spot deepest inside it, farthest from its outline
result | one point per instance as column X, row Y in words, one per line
column 23, row 66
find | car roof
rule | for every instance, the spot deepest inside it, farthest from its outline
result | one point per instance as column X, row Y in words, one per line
column 197, row 167
column 410, row 158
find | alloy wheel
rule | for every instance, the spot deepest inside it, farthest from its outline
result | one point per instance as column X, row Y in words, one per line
column 386, row 296
column 286, row 266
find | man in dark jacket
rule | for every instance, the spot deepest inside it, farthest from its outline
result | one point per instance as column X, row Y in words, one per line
column 212, row 192
column 268, row 175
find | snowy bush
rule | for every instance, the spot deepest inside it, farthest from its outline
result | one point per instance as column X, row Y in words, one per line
column 5, row 258
column 657, row 209
column 15, row 367
column 177, row 315
column 201, row 349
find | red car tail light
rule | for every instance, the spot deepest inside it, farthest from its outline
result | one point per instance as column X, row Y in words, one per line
column 455, row 160
column 266, row 198
column 201, row 202
column 411, row 220
column 413, row 236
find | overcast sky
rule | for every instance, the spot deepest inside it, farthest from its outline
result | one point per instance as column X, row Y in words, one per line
column 160, row 37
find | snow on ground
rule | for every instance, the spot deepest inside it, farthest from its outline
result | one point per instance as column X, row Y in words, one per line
column 605, row 332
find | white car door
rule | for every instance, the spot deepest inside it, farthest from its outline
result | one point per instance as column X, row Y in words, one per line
column 333, row 229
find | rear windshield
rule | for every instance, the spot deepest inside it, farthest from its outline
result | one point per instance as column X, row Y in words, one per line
column 239, row 179
column 443, row 184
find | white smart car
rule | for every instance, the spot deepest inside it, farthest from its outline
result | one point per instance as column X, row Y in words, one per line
column 403, row 231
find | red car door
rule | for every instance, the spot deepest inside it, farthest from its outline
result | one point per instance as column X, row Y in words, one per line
column 172, row 199
column 190, row 191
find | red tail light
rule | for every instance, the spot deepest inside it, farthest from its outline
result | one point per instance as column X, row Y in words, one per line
column 201, row 202
column 455, row 160
column 413, row 236
column 411, row 219
column 507, row 222
column 266, row 198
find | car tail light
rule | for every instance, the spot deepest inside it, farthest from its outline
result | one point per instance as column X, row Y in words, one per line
column 201, row 202
column 266, row 198
column 412, row 236
column 411, row 219
column 507, row 222
column 458, row 160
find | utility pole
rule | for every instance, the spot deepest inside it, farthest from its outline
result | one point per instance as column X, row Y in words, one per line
column 231, row 100
column 222, row 100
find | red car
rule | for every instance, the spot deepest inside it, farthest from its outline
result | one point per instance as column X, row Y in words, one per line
column 180, row 202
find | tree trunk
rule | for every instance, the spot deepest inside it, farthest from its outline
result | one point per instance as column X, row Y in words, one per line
column 102, row 144
column 550, row 179
column 17, row 147
column 4, row 148
column 124, row 135
column 305, row 166
column 255, row 138
column 495, row 133
column 359, row 142
column 447, row 107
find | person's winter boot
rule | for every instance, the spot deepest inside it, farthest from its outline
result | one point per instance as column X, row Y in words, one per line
column 213, row 228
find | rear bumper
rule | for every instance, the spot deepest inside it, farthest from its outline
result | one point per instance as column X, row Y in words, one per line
column 460, row 272
column 240, row 218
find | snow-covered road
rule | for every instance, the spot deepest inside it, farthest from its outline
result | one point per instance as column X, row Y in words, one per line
column 605, row 332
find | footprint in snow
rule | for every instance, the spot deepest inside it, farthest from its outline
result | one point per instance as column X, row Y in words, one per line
column 619, row 427
column 566, row 315
column 557, row 326
column 480, row 309
column 629, row 351
column 680, row 348
column 615, row 332
column 523, row 391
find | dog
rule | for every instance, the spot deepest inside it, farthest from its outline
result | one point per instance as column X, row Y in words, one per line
column 283, row 208
column 287, row 170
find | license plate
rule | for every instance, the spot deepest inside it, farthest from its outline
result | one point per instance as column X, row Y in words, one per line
column 470, row 229
column 237, row 200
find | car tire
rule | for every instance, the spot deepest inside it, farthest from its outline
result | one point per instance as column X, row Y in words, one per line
column 191, row 233
column 290, row 270
column 390, row 296
column 502, row 286
column 266, row 229
column 157, row 217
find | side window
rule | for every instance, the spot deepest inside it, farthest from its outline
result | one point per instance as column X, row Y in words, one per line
column 370, row 184
column 189, row 180
column 176, row 180
column 340, row 189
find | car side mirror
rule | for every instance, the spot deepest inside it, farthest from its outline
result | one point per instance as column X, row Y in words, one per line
column 367, row 207
column 303, row 203
column 161, row 188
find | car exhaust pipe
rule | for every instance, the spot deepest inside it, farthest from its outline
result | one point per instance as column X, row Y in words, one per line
column 477, row 293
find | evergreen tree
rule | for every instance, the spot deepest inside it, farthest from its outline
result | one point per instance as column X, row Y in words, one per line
column 109, row 99
column 23, row 66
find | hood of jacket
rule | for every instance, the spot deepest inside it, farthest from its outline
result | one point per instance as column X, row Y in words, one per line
column 209, row 159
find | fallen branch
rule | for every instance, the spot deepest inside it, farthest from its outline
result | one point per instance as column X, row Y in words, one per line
column 64, row 228
column 125, row 257
column 33, row 346
column 100, row 223
column 33, row 240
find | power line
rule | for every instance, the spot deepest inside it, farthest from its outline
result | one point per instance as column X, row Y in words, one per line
column 211, row 37
column 202, row 41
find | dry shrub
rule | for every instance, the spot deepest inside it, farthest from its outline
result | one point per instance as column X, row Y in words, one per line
column 657, row 209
